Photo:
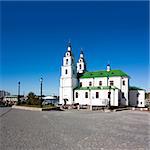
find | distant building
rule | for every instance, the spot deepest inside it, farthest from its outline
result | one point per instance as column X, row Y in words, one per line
column 12, row 99
column 4, row 93
column 137, row 97
column 50, row 100
column 98, row 88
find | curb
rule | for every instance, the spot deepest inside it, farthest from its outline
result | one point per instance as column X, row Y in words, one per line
column 27, row 108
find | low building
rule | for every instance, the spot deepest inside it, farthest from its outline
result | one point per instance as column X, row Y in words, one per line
column 136, row 97
column 50, row 100
column 12, row 99
column 4, row 93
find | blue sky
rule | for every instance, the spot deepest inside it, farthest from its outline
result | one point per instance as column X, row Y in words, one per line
column 35, row 34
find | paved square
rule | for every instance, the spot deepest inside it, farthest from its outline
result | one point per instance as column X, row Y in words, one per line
column 74, row 130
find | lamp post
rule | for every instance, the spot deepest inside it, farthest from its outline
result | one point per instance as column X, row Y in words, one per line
column 18, row 92
column 41, row 84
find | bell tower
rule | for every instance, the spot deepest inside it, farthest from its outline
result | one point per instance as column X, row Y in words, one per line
column 81, row 65
column 68, row 79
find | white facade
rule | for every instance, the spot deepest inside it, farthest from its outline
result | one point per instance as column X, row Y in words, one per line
column 96, row 97
column 99, row 88
column 122, row 83
column 68, row 80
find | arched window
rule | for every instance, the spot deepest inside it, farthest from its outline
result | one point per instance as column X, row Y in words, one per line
column 66, row 71
column 66, row 61
column 86, row 94
column 100, row 83
column 80, row 66
column 68, row 54
column 111, row 83
column 97, row 94
column 123, row 82
column 90, row 83
column 76, row 94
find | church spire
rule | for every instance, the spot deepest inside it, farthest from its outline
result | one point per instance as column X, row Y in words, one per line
column 108, row 66
column 81, row 53
column 81, row 65
column 69, row 45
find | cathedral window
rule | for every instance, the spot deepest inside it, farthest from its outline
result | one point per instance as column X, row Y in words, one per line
column 80, row 84
column 90, row 83
column 100, row 83
column 123, row 82
column 68, row 54
column 66, row 61
column 66, row 71
column 86, row 94
column 97, row 94
column 76, row 94
column 111, row 83
column 80, row 66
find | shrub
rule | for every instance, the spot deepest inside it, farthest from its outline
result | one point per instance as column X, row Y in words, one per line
column 33, row 99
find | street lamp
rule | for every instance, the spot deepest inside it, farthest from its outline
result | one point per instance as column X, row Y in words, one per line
column 19, row 92
column 41, row 81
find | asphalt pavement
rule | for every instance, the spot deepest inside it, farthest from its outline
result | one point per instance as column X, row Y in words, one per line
column 74, row 130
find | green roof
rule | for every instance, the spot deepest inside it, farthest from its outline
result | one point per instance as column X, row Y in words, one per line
column 104, row 73
column 96, row 88
column 135, row 88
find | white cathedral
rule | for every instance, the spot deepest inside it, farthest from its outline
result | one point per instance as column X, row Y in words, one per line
column 99, row 88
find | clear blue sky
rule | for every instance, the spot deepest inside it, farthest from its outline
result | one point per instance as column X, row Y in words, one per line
column 35, row 35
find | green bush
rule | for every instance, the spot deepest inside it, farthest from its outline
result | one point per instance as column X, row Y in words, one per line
column 33, row 99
